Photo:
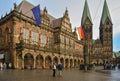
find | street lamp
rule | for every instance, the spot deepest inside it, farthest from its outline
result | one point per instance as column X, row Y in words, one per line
column 85, row 57
column 89, row 53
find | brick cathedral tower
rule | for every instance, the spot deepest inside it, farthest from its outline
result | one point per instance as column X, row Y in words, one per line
column 97, row 51
column 86, row 24
column 106, row 32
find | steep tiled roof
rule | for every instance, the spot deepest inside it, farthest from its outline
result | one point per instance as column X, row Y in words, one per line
column 25, row 7
column 56, row 22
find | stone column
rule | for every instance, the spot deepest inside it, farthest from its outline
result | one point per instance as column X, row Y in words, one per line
column 34, row 63
column 64, row 63
column 22, row 61
column 14, row 59
column 43, row 62
column 17, row 61
column 68, row 63
column 59, row 60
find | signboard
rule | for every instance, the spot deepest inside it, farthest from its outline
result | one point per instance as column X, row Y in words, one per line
column 1, row 56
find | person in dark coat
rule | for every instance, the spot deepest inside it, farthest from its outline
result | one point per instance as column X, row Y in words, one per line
column 60, row 68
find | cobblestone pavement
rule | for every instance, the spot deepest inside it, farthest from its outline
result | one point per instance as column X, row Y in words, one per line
column 68, row 75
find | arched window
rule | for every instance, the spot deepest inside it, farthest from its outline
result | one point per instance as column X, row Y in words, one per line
column 7, row 35
column 1, row 36
column 62, row 38
column 107, row 23
column 67, row 41
column 25, row 35
column 34, row 37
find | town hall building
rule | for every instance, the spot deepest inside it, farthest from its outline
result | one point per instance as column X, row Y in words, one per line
column 25, row 44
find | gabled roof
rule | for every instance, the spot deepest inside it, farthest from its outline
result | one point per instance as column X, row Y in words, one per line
column 56, row 22
column 25, row 7
column 86, row 13
column 105, row 13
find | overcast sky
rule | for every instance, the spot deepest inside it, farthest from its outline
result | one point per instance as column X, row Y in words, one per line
column 75, row 7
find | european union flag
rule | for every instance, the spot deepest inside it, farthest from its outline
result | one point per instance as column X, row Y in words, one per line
column 36, row 13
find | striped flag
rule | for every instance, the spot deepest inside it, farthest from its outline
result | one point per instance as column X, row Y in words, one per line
column 81, row 32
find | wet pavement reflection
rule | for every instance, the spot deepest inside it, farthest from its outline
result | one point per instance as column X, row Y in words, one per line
column 67, row 75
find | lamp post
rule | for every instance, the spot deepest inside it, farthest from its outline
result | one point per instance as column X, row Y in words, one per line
column 85, row 57
column 89, row 52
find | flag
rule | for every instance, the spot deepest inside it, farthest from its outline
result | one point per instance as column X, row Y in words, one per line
column 36, row 13
column 81, row 32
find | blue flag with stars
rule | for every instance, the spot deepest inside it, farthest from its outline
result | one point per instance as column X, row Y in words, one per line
column 36, row 13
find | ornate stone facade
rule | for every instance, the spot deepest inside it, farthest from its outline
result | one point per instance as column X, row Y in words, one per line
column 24, row 44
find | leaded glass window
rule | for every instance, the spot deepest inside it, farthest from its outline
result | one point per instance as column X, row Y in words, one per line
column 71, row 42
column 34, row 37
column 67, row 41
column 62, row 39
column 43, row 40
column 25, row 35
column 7, row 35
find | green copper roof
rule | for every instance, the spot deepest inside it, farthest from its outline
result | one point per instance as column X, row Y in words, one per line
column 93, row 41
column 105, row 13
column 86, row 13
column 116, row 55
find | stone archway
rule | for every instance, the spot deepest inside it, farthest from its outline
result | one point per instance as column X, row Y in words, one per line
column 97, row 61
column 71, row 63
column 82, row 61
column 48, row 62
column 20, row 61
column 28, row 60
column 55, row 60
column 66, row 63
column 39, row 61
column 78, row 62
column 75, row 63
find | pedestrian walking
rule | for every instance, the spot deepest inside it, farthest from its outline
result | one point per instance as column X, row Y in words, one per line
column 31, row 66
column 10, row 65
column 54, row 69
column 4, row 66
column 1, row 65
column 60, row 68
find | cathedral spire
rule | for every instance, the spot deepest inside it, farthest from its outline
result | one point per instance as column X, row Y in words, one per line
column 105, row 13
column 86, row 13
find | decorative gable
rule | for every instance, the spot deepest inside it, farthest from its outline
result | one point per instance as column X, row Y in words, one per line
column 66, row 25
column 44, row 17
